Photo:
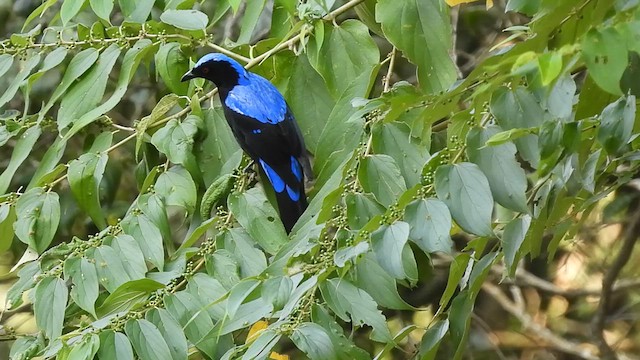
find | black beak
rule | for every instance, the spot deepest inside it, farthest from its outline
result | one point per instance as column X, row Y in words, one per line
column 188, row 76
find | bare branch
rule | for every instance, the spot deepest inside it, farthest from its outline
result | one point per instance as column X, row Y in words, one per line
column 597, row 324
column 539, row 331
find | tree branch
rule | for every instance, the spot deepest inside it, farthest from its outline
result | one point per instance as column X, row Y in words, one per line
column 541, row 332
column 597, row 324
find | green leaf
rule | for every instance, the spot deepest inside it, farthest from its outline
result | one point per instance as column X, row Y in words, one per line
column 185, row 308
column 395, row 140
column 512, row 239
column 53, row 59
column 308, row 97
column 421, row 30
column 550, row 65
column 345, row 349
column 249, row 20
column 177, row 188
column 21, row 150
column 38, row 12
column 261, row 346
column 8, row 217
column 616, row 124
column 456, row 271
column 361, row 208
column 102, row 8
column 223, row 266
column 6, row 61
column 111, row 270
column 162, row 107
column 171, row 64
column 247, row 314
column 432, row 338
column 85, row 174
column 217, row 191
column 185, row 19
column 527, row 7
column 339, row 138
column 88, row 91
column 154, row 207
column 86, row 349
column 147, row 235
column 235, row 5
column 314, row 341
column 343, row 255
column 238, row 295
column 211, row 294
column 259, row 218
column 508, row 135
column 430, row 222
column 377, row 282
column 550, row 139
column 480, row 271
column 171, row 332
column 605, row 53
column 38, row 218
column 131, row 255
column 251, row 259
column 84, row 278
column 175, row 139
column 519, row 109
column 465, row 190
column 506, row 178
column 26, row 347
column 114, row 346
column 339, row 65
column 26, row 280
column 147, row 340
column 219, row 153
column 460, row 321
column 49, row 305
column 129, row 66
column 355, row 305
column 69, row 9
column 136, row 10
column 380, row 175
column 277, row 291
column 388, row 243
column 77, row 67
column 560, row 100
column 25, row 70
column 128, row 296
column 366, row 13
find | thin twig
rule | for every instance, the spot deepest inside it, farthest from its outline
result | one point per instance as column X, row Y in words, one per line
column 387, row 78
column 525, row 278
column 597, row 324
column 541, row 332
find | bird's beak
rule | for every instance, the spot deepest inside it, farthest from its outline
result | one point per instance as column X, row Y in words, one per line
column 188, row 76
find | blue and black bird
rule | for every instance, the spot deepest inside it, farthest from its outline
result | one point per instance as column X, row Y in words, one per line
column 263, row 125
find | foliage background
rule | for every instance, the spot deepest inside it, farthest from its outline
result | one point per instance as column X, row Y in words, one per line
column 475, row 192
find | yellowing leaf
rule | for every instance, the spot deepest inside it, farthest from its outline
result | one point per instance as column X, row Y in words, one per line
column 275, row 356
column 255, row 330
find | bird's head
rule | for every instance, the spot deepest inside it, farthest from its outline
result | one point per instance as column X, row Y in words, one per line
column 219, row 68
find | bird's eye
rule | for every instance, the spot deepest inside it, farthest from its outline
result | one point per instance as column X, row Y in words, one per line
column 205, row 70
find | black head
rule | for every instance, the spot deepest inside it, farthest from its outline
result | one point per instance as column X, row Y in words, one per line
column 219, row 68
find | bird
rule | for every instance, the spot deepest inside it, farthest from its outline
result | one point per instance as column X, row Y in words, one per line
column 264, row 127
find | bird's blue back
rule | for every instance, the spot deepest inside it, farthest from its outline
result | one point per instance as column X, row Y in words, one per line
column 256, row 97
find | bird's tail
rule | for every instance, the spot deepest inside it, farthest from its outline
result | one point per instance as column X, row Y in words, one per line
column 287, row 179
column 290, row 210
